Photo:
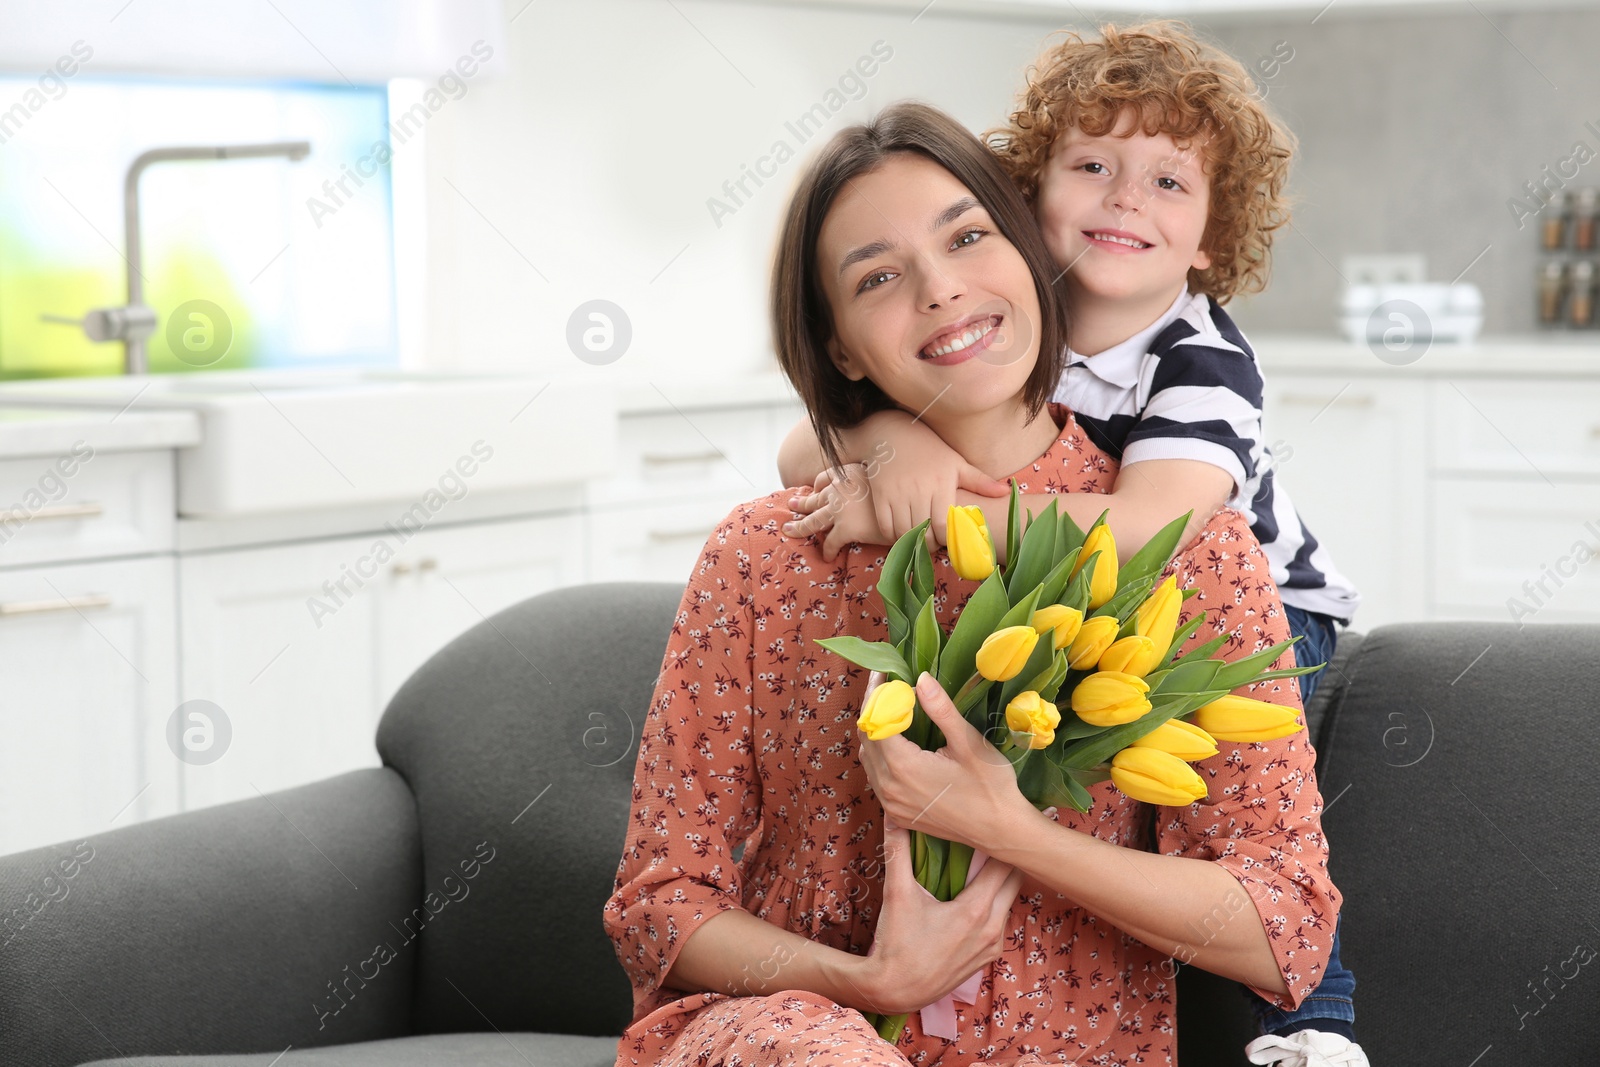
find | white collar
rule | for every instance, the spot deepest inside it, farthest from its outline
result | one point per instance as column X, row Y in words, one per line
column 1119, row 364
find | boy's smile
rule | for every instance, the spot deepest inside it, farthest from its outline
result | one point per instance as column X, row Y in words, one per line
column 1123, row 215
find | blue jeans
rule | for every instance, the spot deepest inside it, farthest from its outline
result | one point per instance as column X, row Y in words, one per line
column 1331, row 1006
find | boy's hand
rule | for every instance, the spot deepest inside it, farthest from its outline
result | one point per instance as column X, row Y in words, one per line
column 913, row 476
column 841, row 505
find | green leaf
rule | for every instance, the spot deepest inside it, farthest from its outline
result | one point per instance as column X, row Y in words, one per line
column 1205, row 651
column 1073, row 728
column 1243, row 671
column 919, row 857
column 1125, row 604
column 1021, row 613
column 899, row 625
column 1055, row 583
column 925, row 639
column 1288, row 672
column 921, row 565
column 873, row 655
column 1190, row 677
column 1034, row 557
column 977, row 620
column 1151, row 559
column 892, row 585
column 1179, row 636
column 1069, row 538
column 1013, row 524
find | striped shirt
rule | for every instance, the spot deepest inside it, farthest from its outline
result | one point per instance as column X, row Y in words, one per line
column 1188, row 387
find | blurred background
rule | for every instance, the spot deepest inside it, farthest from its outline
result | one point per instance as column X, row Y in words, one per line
column 444, row 303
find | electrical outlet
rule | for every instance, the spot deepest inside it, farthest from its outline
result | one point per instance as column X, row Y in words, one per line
column 1385, row 270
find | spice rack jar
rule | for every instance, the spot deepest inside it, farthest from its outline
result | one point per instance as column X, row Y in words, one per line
column 1569, row 267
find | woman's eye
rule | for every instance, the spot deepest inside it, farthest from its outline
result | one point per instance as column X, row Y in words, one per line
column 963, row 241
column 872, row 281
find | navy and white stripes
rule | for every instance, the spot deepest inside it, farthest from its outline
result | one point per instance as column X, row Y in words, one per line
column 1188, row 387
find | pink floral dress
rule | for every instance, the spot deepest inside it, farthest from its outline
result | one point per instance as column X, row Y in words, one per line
column 751, row 738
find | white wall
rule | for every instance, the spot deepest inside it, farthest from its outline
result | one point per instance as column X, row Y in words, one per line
column 594, row 149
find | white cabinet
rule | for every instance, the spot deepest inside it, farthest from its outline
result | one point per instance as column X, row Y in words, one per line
column 446, row 581
column 1463, row 486
column 1349, row 452
column 88, row 673
column 301, row 646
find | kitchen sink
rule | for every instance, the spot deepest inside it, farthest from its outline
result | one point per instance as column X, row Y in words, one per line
column 289, row 440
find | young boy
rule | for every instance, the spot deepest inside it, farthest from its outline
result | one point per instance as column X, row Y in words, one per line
column 1157, row 178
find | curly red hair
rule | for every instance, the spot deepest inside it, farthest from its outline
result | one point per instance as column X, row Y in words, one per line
column 1177, row 85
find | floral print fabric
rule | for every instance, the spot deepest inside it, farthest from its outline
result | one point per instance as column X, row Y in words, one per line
column 751, row 738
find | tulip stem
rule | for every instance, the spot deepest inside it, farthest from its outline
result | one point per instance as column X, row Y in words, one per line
column 970, row 692
column 889, row 1029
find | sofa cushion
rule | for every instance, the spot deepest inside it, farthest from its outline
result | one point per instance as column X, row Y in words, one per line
column 436, row 1050
column 519, row 738
column 246, row 925
column 1461, row 800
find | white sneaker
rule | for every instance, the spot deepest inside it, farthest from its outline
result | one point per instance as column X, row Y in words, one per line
column 1307, row 1048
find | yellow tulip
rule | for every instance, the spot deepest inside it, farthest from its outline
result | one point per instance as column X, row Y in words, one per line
column 1103, row 583
column 1131, row 655
column 887, row 710
column 1182, row 739
column 1156, row 777
column 1029, row 713
column 1233, row 718
column 1065, row 621
column 1094, row 637
column 1005, row 652
column 1157, row 618
column 1110, row 698
column 967, row 540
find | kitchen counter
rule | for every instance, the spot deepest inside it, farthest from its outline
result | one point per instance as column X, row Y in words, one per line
column 34, row 431
column 1557, row 355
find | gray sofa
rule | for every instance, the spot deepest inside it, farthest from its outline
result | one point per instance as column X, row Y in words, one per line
column 445, row 908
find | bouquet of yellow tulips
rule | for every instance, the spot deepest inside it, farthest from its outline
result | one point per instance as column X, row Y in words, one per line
column 1058, row 617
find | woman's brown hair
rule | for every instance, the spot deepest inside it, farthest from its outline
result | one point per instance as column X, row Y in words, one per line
column 802, row 322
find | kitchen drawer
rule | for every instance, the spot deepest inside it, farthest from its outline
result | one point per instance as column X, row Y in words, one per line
column 663, row 455
column 1526, row 428
column 1497, row 541
column 85, row 505
column 653, row 543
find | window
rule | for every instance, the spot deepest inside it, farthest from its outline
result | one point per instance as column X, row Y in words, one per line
column 298, row 255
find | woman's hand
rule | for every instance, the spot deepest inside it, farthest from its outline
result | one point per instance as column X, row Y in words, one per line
column 966, row 791
column 923, row 948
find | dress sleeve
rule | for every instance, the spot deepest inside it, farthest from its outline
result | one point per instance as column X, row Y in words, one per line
column 696, row 790
column 1204, row 404
column 1262, row 818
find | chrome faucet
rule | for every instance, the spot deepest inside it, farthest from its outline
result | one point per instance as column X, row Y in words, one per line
column 133, row 322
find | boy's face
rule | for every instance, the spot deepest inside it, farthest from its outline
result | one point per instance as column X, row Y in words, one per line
column 1123, row 214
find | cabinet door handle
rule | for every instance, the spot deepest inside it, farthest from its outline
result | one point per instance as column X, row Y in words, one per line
column 87, row 510
column 657, row 459
column 1360, row 400
column 67, row 603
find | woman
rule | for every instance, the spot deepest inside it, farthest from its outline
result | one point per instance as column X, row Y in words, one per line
column 903, row 233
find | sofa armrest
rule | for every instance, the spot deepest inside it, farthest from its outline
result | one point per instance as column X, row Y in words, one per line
column 245, row 927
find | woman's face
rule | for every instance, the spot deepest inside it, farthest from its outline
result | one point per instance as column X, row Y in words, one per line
column 930, row 302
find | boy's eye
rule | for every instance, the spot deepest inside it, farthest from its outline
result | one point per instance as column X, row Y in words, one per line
column 1168, row 183
column 1090, row 168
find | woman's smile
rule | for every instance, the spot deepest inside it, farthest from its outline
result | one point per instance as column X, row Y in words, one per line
column 962, row 340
